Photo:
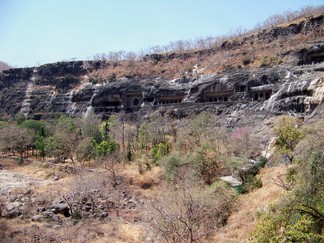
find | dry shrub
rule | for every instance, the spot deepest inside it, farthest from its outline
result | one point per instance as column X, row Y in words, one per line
column 148, row 179
column 188, row 213
column 92, row 189
column 2, row 205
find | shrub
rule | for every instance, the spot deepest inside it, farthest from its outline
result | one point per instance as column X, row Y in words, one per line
column 246, row 60
column 208, row 164
column 269, row 61
column 299, row 216
column 106, row 147
column 189, row 213
column 251, row 183
column 171, row 163
column 159, row 150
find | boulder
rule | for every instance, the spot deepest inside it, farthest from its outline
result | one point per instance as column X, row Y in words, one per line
column 13, row 210
column 231, row 180
column 38, row 218
column 61, row 208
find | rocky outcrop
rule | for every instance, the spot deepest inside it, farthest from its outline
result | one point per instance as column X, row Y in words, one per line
column 314, row 54
column 71, row 88
column 299, row 96
column 65, row 88
column 307, row 25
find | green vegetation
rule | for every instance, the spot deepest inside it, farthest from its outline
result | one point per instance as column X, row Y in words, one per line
column 299, row 216
column 193, row 156
column 288, row 136
column 159, row 150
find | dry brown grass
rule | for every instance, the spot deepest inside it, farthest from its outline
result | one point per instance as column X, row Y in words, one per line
column 240, row 223
column 130, row 233
column 146, row 180
column 244, row 218
column 212, row 60
column 33, row 167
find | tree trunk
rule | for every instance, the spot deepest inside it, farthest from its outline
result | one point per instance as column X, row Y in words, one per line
column 21, row 157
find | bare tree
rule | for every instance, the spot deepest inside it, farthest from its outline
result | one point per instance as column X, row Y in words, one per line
column 15, row 139
column 81, row 191
column 112, row 163
column 131, row 58
column 188, row 214
column 243, row 143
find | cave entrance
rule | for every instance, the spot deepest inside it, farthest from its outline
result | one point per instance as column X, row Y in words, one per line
column 136, row 102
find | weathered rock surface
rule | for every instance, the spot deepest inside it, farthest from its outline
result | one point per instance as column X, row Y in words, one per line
column 10, row 180
column 278, row 89
column 13, row 209
column 60, row 208
column 231, row 180
column 68, row 87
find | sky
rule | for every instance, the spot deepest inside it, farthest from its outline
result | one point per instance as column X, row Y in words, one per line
column 34, row 32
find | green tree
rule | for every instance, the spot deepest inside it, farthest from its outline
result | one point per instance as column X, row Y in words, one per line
column 86, row 150
column 106, row 147
column 108, row 156
column 67, row 135
column 288, row 136
column 159, row 150
column 208, row 164
column 19, row 118
column 38, row 131
column 2, row 124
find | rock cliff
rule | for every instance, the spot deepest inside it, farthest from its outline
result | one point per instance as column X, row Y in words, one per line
column 294, row 86
column 62, row 88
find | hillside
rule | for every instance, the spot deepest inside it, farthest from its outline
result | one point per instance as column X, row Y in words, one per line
column 216, row 144
column 254, row 67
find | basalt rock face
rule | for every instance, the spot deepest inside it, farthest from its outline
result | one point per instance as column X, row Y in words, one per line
column 64, row 88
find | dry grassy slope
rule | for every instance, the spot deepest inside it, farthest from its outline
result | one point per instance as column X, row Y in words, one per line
column 243, row 220
column 240, row 224
column 241, row 51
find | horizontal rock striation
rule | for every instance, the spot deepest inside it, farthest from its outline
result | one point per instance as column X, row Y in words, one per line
column 40, row 92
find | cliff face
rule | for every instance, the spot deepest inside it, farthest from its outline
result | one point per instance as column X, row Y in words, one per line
column 70, row 88
column 62, row 88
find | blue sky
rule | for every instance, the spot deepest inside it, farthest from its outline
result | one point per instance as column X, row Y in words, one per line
column 35, row 32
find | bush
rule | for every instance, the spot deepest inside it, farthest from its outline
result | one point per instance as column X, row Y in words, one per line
column 208, row 164
column 251, row 183
column 106, row 147
column 189, row 213
column 288, row 136
column 158, row 151
column 267, row 229
column 171, row 163
column 269, row 61
column 246, row 60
